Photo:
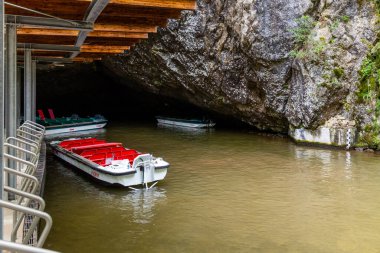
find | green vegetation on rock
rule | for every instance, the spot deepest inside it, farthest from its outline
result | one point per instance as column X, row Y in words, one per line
column 302, row 36
column 302, row 32
column 369, row 86
column 369, row 90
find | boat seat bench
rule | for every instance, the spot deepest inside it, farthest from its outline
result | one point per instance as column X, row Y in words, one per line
column 77, row 149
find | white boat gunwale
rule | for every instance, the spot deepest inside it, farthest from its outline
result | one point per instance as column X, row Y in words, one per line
column 76, row 124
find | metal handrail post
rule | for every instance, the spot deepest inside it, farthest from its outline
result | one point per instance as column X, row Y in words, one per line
column 32, row 179
column 43, row 215
column 34, row 224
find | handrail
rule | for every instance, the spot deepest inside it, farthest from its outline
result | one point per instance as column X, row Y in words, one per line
column 11, row 246
column 30, row 166
column 21, row 149
column 28, row 139
column 35, row 124
column 43, row 215
column 27, row 177
column 22, row 152
column 38, row 128
column 34, row 224
column 37, row 198
column 32, row 130
column 29, row 134
column 17, row 140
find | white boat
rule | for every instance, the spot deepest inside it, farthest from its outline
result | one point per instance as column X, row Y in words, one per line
column 194, row 123
column 75, row 127
column 111, row 162
column 54, row 126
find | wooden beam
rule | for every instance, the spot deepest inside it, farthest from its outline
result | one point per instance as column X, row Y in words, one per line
column 86, row 59
column 89, row 47
column 171, row 4
column 126, row 28
column 49, row 32
column 75, row 10
column 70, row 40
column 102, row 51
column 43, row 39
column 107, row 42
column 121, row 34
column 102, row 34
column 95, row 55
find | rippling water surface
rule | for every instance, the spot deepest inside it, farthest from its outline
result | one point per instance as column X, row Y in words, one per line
column 225, row 191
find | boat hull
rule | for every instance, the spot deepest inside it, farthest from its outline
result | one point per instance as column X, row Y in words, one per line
column 74, row 128
column 184, row 124
column 136, row 176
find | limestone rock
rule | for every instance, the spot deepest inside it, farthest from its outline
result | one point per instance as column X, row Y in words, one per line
column 233, row 57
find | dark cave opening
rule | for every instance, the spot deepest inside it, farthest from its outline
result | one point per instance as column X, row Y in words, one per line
column 86, row 90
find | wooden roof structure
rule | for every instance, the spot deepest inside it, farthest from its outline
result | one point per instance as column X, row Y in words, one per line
column 86, row 30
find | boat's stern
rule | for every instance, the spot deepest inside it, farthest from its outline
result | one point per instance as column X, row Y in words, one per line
column 160, row 168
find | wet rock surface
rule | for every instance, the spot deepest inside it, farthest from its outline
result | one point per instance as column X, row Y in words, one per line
column 233, row 57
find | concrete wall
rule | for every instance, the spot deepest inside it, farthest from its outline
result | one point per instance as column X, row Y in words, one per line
column 325, row 136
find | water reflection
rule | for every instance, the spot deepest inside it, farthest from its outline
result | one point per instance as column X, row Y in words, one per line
column 143, row 202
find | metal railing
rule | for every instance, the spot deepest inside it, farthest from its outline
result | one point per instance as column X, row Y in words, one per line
column 16, row 247
column 21, row 156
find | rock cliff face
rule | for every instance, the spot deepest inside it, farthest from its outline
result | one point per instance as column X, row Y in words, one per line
column 242, row 58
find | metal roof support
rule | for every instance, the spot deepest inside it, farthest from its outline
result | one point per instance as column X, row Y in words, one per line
column 94, row 10
column 28, row 84
column 18, row 98
column 50, row 23
column 34, row 90
column 2, row 82
column 11, row 109
column 47, row 47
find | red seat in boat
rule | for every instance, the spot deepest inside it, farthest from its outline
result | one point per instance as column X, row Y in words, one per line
column 78, row 149
column 82, row 142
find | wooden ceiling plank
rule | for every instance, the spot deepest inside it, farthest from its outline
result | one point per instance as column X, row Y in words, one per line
column 120, row 34
column 125, row 28
column 75, row 12
column 171, row 4
column 85, row 47
column 102, row 51
column 103, row 34
column 49, row 32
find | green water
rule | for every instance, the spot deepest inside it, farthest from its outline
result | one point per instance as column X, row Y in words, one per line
column 225, row 191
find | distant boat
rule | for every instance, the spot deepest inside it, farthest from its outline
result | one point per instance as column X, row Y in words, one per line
column 69, row 124
column 194, row 123
column 110, row 162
